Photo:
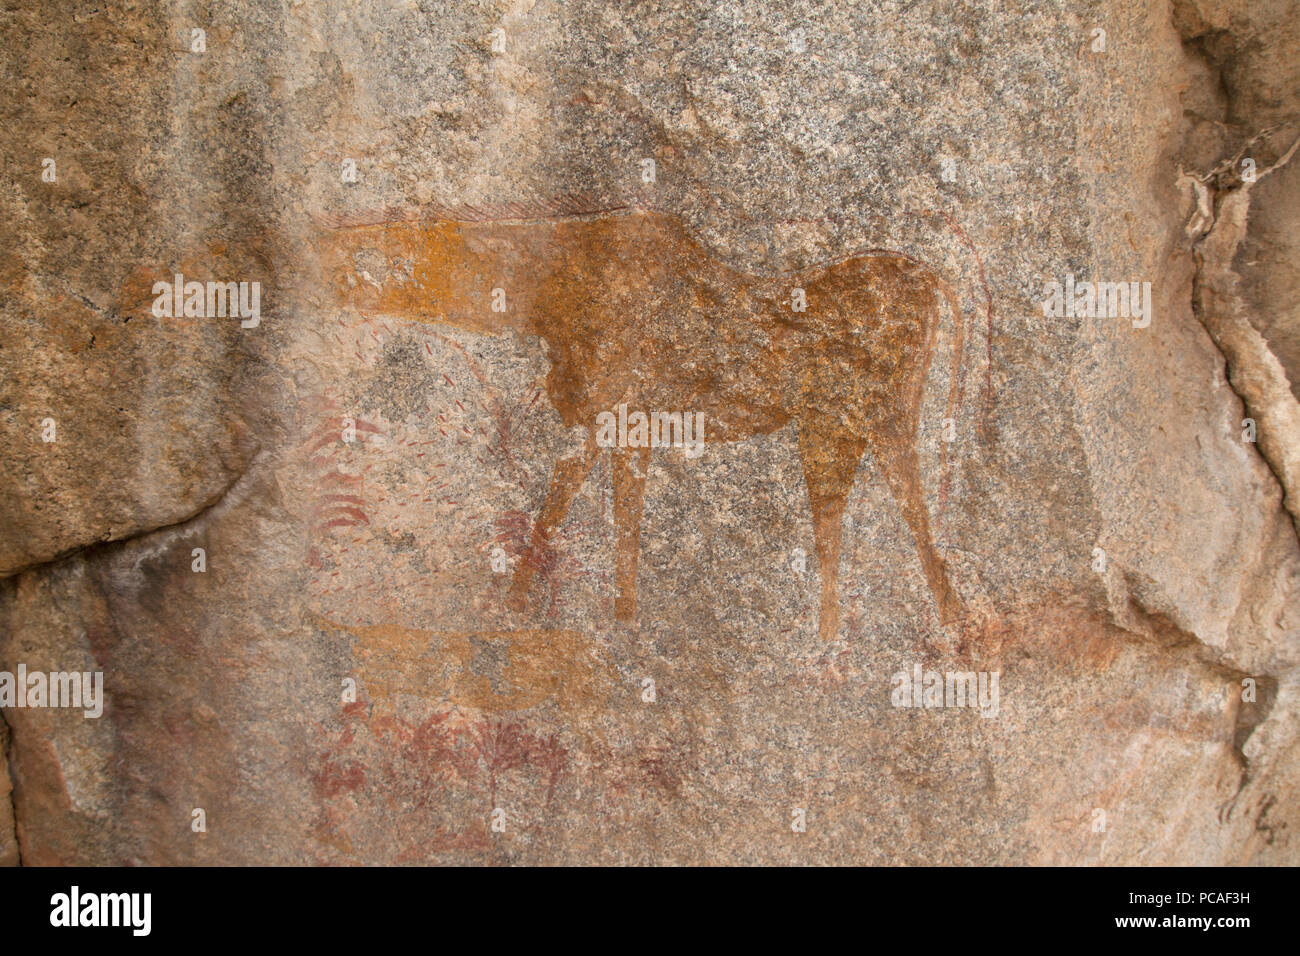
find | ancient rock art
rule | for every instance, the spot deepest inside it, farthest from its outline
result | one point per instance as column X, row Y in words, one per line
column 494, row 672
column 636, row 311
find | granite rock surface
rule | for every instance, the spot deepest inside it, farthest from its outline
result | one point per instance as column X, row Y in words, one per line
column 365, row 584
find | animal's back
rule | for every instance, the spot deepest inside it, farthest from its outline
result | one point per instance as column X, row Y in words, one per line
column 637, row 310
column 634, row 309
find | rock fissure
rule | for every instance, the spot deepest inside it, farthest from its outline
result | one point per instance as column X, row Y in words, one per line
column 1217, row 228
column 184, row 524
column 11, row 848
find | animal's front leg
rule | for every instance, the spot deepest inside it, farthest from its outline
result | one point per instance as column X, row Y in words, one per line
column 897, row 459
column 830, row 455
column 570, row 472
column 630, row 468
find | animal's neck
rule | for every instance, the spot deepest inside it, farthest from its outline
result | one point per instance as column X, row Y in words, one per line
column 495, row 273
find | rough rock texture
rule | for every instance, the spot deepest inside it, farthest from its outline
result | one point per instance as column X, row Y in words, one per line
column 9, row 855
column 568, row 654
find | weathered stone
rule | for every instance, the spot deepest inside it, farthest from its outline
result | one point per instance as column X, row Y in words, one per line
column 9, row 855
column 362, row 575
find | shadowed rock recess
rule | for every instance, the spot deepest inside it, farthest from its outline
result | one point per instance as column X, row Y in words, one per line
column 558, row 431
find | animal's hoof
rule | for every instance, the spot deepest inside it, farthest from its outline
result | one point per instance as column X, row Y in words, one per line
column 952, row 616
column 952, row 610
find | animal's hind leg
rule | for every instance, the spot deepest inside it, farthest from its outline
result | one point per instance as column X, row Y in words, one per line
column 830, row 460
column 566, row 479
column 896, row 456
column 629, row 496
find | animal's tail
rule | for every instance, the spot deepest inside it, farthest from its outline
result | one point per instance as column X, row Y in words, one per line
column 964, row 238
column 956, row 388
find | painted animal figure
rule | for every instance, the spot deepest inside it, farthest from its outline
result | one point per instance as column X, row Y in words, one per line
column 634, row 310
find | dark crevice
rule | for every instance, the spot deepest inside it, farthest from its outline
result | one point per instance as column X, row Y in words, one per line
column 1251, row 715
column 98, row 546
column 7, row 737
column 1231, row 372
column 1153, row 627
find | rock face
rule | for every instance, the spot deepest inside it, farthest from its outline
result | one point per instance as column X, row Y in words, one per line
column 971, row 553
